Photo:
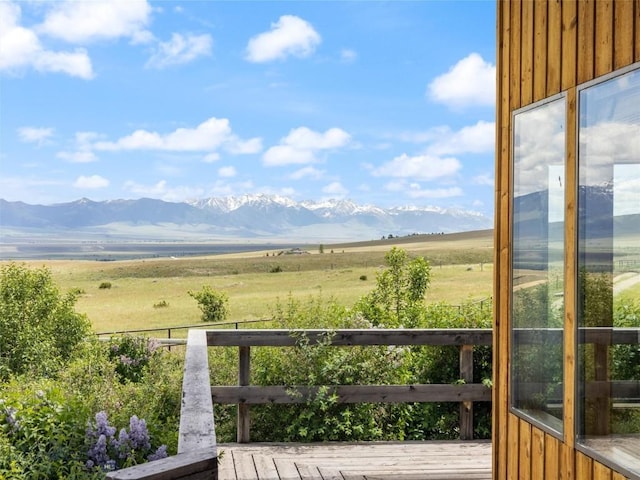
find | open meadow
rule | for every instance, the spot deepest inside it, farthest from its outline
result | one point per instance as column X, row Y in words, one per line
column 151, row 293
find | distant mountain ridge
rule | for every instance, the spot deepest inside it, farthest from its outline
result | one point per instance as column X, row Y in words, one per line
column 246, row 216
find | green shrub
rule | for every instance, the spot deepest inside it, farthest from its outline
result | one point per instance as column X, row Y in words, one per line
column 38, row 325
column 104, row 285
column 131, row 355
column 275, row 269
column 363, row 277
column 161, row 304
column 212, row 303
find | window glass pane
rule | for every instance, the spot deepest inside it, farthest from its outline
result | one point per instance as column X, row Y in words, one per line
column 538, row 263
column 609, row 269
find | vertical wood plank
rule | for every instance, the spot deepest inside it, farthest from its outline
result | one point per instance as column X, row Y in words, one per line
column 551, row 457
column 637, row 28
column 567, row 462
column 466, row 408
column 244, row 362
column 569, row 43
column 514, row 54
column 540, row 22
column 525, row 451
column 618, row 476
column 554, row 47
column 526, row 54
column 500, row 405
column 584, row 467
column 570, row 273
column 586, row 39
column 600, row 472
column 513, row 469
column 623, row 36
column 604, row 37
column 537, row 455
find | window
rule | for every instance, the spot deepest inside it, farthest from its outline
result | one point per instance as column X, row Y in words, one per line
column 538, row 263
column 608, row 397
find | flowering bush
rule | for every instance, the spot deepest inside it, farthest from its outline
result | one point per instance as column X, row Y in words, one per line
column 108, row 452
column 131, row 355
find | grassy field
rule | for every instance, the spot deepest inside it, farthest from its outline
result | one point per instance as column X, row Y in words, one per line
column 461, row 268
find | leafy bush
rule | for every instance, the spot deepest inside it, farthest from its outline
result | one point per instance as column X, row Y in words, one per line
column 104, row 285
column 161, row 304
column 275, row 269
column 131, row 356
column 38, row 325
column 212, row 303
column 41, row 433
column 363, row 277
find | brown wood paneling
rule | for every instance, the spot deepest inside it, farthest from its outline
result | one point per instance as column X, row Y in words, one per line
column 500, row 406
column 526, row 54
column 524, row 457
column 584, row 467
column 554, row 46
column 604, row 37
column 623, row 33
column 586, row 39
column 600, row 472
column 514, row 65
column 537, row 454
column 637, row 28
column 540, row 19
column 570, row 268
column 514, row 442
column 618, row 476
column 551, row 456
column 569, row 43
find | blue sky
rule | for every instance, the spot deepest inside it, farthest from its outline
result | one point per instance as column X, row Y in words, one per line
column 389, row 103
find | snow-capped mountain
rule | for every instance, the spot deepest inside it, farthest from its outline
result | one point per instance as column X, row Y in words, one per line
column 246, row 216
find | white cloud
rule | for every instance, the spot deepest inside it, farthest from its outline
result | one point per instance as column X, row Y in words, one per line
column 302, row 144
column 290, row 35
column 84, row 22
column 163, row 191
column 484, row 179
column 211, row 157
column 35, row 134
column 436, row 193
column 307, row 172
column 180, row 49
column 238, row 147
column 471, row 81
column 336, row 189
column 79, row 156
column 210, row 135
column 478, row 138
column 421, row 167
column 227, row 172
column 348, row 56
column 20, row 48
column 92, row 182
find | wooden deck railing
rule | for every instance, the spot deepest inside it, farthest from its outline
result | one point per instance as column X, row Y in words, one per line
column 244, row 394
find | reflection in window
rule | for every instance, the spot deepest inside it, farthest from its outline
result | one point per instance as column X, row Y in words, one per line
column 538, row 263
column 609, row 270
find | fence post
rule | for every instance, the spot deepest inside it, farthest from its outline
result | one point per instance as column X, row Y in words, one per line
column 466, row 408
column 244, row 364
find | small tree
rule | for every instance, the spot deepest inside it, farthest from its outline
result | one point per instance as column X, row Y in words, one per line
column 39, row 327
column 212, row 303
column 399, row 291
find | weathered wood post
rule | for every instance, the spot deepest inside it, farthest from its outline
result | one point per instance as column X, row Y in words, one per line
column 466, row 407
column 244, row 365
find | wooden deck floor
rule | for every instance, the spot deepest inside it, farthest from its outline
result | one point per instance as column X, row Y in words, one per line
column 469, row 460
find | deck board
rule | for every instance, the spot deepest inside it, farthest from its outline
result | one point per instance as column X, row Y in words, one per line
column 469, row 460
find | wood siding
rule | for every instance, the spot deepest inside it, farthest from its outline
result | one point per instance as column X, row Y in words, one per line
column 545, row 47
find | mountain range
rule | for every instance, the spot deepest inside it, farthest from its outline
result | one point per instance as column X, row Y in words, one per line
column 267, row 217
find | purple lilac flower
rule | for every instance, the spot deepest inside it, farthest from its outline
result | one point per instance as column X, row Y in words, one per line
column 98, row 452
column 138, row 434
column 10, row 416
column 122, row 444
column 161, row 452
